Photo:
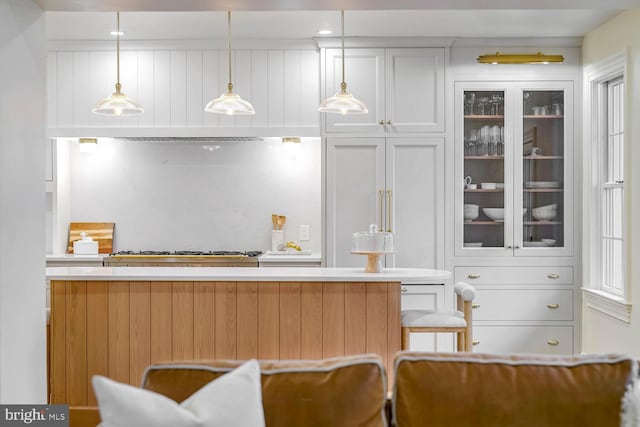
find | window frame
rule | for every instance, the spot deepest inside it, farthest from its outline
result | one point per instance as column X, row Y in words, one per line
column 597, row 79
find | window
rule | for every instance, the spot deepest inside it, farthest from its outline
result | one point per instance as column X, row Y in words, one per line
column 612, row 190
column 606, row 288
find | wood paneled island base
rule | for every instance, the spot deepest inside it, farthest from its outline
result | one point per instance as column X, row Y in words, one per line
column 118, row 328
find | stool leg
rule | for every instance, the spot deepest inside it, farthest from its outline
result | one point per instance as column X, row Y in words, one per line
column 406, row 338
column 460, row 341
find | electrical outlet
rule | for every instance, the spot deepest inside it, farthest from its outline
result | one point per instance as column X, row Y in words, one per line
column 304, row 233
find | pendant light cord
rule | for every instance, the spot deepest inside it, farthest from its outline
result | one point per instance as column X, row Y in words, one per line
column 118, row 86
column 343, row 84
column 229, row 37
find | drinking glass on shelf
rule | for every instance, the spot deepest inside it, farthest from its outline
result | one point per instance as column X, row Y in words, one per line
column 496, row 104
column 483, row 142
column 482, row 102
column 469, row 103
column 500, row 145
column 470, row 143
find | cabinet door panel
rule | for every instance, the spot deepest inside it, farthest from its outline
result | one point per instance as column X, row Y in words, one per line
column 415, row 205
column 415, row 90
column 364, row 74
column 355, row 174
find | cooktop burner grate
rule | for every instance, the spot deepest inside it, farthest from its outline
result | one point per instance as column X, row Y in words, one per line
column 189, row 253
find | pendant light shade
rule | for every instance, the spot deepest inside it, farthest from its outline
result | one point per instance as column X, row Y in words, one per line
column 343, row 102
column 230, row 103
column 118, row 104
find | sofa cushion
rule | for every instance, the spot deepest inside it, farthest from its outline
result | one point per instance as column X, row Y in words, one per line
column 464, row 389
column 233, row 399
column 349, row 391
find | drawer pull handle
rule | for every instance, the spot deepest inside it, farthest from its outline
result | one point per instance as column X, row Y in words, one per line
column 404, row 289
column 553, row 342
column 474, row 305
column 475, row 342
column 553, row 276
column 473, row 276
column 553, row 306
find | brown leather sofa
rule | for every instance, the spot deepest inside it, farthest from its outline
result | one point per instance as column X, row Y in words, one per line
column 430, row 389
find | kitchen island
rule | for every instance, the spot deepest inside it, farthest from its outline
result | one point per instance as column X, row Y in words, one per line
column 117, row 321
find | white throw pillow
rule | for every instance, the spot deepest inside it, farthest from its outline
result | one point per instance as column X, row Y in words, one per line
column 234, row 399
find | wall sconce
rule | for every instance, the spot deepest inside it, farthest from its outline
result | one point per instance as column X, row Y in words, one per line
column 88, row 145
column 519, row 58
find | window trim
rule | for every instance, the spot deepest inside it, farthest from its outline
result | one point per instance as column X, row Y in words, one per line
column 594, row 92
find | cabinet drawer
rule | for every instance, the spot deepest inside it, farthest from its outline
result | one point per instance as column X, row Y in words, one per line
column 523, row 339
column 422, row 297
column 515, row 275
column 523, row 304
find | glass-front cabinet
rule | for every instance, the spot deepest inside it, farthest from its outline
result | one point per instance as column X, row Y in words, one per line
column 514, row 187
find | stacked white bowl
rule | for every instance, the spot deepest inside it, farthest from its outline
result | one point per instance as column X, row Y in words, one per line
column 471, row 212
column 545, row 213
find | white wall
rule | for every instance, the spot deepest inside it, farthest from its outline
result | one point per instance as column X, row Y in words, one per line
column 198, row 196
column 600, row 332
column 22, row 203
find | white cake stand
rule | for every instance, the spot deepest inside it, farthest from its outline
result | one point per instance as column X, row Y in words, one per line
column 374, row 260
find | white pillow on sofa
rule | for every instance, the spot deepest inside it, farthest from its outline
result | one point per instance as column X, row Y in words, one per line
column 233, row 400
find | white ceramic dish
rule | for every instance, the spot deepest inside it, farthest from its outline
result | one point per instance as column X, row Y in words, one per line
column 488, row 185
column 472, row 244
column 545, row 213
column 542, row 184
column 496, row 214
column 542, row 243
column 471, row 212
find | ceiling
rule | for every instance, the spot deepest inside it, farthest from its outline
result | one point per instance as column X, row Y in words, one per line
column 301, row 19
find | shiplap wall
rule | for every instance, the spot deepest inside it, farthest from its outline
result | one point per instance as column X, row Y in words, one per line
column 173, row 86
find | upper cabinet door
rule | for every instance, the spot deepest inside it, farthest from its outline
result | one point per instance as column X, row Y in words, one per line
column 364, row 75
column 415, row 90
column 404, row 90
column 543, row 169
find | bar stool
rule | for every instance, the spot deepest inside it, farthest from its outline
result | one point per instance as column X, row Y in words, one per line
column 458, row 322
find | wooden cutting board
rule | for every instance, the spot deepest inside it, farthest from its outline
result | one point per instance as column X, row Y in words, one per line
column 101, row 232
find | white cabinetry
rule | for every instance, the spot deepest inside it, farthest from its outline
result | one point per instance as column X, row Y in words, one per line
column 403, row 88
column 514, row 144
column 396, row 183
column 522, row 309
column 514, row 197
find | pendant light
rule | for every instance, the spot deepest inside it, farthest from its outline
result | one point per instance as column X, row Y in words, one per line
column 230, row 103
column 118, row 104
column 343, row 102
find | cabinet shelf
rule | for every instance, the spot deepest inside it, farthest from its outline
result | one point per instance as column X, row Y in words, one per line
column 543, row 190
column 546, row 116
column 484, row 223
column 484, row 157
column 543, row 157
column 534, row 223
column 480, row 190
column 486, row 117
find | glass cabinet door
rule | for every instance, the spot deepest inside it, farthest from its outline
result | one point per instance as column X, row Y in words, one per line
column 543, row 176
column 483, row 129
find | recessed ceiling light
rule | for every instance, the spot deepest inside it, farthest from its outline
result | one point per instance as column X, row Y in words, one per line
column 324, row 32
column 117, row 33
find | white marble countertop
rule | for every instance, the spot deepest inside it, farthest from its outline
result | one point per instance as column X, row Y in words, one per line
column 267, row 274
column 72, row 257
column 291, row 257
